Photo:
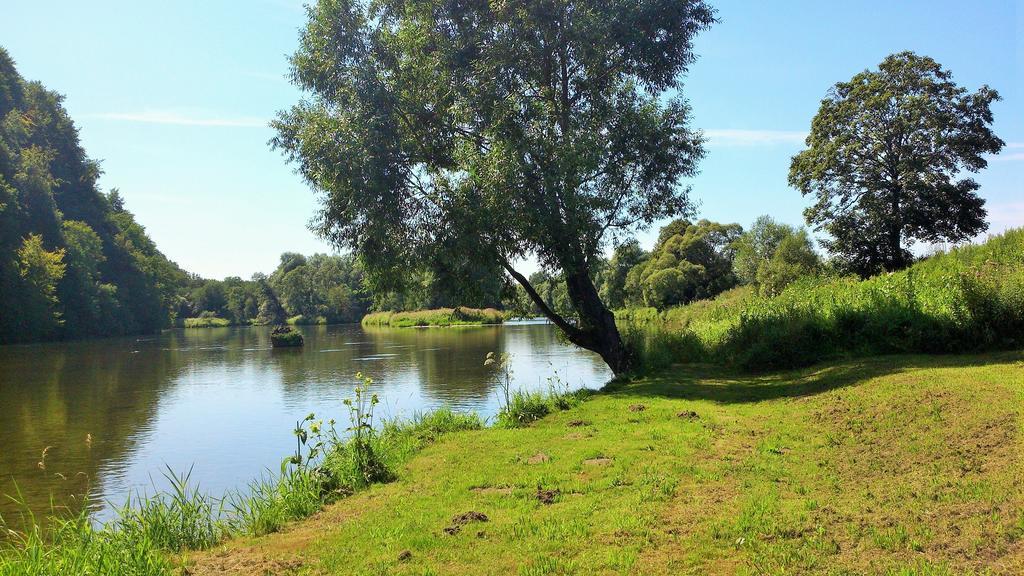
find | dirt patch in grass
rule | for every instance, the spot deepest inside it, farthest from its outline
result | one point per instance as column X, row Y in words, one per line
column 538, row 458
column 274, row 553
column 598, row 461
column 232, row 562
column 637, row 408
column 547, row 496
column 460, row 520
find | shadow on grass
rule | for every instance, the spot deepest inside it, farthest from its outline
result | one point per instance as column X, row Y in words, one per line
column 730, row 386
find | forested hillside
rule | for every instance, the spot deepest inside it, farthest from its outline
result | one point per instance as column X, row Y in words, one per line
column 73, row 261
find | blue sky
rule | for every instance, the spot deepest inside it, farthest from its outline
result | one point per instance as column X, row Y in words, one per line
column 174, row 97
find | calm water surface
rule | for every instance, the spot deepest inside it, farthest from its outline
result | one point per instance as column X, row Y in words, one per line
column 222, row 402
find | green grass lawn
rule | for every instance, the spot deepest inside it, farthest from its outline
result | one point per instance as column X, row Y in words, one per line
column 890, row 465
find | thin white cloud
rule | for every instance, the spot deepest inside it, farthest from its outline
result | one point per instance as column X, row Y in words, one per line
column 178, row 118
column 279, row 77
column 293, row 5
column 1004, row 215
column 1008, row 156
column 740, row 137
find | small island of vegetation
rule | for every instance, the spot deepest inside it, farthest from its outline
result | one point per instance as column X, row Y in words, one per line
column 286, row 337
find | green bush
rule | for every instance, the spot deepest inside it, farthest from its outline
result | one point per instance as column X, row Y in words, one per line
column 286, row 337
column 523, row 409
column 967, row 300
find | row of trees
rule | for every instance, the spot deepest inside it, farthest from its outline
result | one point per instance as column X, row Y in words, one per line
column 335, row 289
column 318, row 288
column 74, row 262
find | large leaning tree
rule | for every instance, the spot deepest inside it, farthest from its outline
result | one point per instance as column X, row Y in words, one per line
column 886, row 160
column 496, row 130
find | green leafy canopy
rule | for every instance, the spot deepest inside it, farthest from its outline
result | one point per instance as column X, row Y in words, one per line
column 885, row 159
column 494, row 130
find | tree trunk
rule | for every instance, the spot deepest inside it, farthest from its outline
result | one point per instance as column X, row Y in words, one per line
column 896, row 233
column 597, row 329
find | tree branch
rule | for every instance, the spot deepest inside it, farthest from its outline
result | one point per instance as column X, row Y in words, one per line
column 572, row 332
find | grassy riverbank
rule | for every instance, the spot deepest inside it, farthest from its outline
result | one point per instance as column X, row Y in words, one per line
column 890, row 465
column 438, row 317
column 970, row 299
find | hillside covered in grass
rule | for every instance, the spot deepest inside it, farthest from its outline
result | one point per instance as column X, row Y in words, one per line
column 969, row 299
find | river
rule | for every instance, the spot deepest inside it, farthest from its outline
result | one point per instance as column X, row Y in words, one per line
column 113, row 414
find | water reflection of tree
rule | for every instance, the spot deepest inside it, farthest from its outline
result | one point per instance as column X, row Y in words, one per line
column 447, row 363
column 57, row 395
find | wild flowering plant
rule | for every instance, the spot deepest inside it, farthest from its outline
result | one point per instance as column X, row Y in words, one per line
column 347, row 462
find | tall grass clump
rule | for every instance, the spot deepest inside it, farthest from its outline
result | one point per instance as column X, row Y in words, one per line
column 182, row 518
column 458, row 316
column 63, row 544
column 270, row 502
column 521, row 408
column 969, row 299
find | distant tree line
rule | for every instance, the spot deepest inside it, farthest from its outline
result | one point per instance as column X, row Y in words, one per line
column 316, row 289
column 74, row 262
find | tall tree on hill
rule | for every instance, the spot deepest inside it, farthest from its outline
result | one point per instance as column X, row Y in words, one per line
column 497, row 130
column 884, row 160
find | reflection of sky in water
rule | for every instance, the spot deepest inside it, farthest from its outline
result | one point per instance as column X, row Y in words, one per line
column 224, row 404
